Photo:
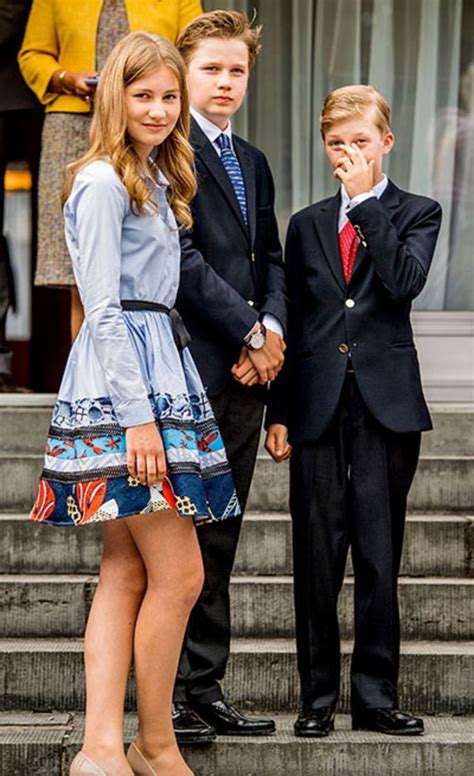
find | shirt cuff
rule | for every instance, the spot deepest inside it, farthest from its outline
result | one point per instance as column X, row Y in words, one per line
column 272, row 323
column 359, row 198
column 133, row 414
column 254, row 328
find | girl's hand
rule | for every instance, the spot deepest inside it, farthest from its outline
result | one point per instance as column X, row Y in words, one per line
column 354, row 171
column 276, row 442
column 145, row 454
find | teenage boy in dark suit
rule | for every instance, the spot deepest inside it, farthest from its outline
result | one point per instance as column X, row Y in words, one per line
column 232, row 298
column 351, row 402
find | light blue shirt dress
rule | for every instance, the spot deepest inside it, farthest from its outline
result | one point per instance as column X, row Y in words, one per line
column 124, row 369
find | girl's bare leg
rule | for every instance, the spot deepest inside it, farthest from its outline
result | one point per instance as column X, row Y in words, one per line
column 170, row 550
column 108, row 647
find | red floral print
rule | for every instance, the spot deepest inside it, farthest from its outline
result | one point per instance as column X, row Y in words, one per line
column 45, row 502
column 90, row 497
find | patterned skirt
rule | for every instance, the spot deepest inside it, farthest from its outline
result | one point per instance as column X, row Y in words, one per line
column 85, row 477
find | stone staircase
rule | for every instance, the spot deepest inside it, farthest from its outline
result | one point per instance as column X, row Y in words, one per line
column 47, row 581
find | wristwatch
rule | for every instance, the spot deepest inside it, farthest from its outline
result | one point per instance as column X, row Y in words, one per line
column 256, row 340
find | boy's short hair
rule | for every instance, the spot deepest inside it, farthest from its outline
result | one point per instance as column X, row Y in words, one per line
column 356, row 100
column 220, row 24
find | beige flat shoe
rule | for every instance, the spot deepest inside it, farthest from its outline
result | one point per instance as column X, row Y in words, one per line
column 82, row 766
column 138, row 762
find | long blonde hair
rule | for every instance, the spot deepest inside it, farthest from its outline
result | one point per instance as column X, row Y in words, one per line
column 136, row 55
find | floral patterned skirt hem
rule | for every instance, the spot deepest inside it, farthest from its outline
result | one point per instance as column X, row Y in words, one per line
column 111, row 498
column 85, row 477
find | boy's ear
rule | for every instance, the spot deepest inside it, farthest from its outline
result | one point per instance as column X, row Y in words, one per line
column 388, row 142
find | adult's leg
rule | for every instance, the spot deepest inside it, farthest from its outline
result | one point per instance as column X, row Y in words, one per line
column 170, row 551
column 108, row 646
column 205, row 654
column 318, row 494
column 383, row 466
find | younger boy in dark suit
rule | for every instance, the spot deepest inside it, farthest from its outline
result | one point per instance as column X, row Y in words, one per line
column 233, row 301
column 351, row 402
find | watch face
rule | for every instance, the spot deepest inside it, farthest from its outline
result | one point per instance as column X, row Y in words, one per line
column 258, row 340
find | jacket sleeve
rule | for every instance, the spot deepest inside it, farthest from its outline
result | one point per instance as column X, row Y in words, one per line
column 275, row 299
column 282, row 389
column 38, row 57
column 402, row 263
column 188, row 10
column 210, row 298
column 98, row 243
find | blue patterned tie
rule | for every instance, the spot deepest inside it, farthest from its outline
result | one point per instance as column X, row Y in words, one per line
column 233, row 170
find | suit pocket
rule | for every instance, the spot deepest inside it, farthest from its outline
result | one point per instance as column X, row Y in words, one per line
column 403, row 345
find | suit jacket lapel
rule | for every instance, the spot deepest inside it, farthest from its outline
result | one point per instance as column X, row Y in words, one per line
column 359, row 259
column 210, row 159
column 390, row 200
column 248, row 171
column 326, row 224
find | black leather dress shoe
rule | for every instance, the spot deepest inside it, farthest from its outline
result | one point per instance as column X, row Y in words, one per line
column 227, row 721
column 391, row 721
column 315, row 723
column 188, row 727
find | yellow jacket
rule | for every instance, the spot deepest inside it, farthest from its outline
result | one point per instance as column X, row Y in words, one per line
column 62, row 34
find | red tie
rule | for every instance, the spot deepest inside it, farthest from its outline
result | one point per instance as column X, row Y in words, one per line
column 348, row 242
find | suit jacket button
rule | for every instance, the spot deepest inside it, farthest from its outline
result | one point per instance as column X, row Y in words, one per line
column 349, row 303
column 343, row 348
column 250, row 302
column 252, row 257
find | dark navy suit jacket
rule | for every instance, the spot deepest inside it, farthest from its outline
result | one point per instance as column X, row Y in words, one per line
column 367, row 320
column 231, row 274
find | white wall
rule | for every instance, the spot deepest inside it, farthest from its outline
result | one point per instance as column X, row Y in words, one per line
column 445, row 347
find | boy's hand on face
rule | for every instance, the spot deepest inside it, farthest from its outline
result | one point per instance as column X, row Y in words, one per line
column 354, row 171
column 276, row 442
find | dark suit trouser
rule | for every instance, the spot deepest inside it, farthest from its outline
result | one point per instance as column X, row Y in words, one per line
column 206, row 647
column 350, row 488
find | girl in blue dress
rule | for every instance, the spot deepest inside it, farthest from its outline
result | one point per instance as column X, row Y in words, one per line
column 133, row 442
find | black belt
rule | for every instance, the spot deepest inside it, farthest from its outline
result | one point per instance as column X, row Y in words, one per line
column 181, row 335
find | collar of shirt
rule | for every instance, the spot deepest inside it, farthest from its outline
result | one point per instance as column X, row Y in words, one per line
column 153, row 176
column 158, row 182
column 212, row 131
column 347, row 203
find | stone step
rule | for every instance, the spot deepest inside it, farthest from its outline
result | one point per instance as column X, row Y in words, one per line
column 46, row 674
column 434, row 544
column 48, row 606
column 25, row 419
column 45, row 745
column 441, row 483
